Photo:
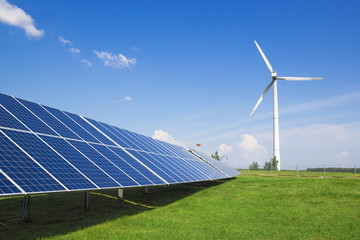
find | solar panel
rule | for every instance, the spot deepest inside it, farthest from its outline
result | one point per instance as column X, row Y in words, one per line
column 29, row 175
column 43, row 149
column 219, row 165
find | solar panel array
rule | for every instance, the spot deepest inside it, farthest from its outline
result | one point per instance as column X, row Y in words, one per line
column 43, row 149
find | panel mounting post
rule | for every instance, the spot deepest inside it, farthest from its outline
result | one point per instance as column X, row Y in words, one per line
column 146, row 190
column 120, row 193
column 26, row 208
column 86, row 200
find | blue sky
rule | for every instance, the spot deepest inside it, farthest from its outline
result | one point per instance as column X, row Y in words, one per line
column 189, row 72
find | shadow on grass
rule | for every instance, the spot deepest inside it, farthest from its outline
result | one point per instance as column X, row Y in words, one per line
column 60, row 213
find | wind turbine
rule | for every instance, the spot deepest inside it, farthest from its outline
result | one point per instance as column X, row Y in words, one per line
column 274, row 77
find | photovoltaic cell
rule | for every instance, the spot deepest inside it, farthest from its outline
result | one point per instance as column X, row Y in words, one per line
column 119, row 133
column 99, row 136
column 23, row 170
column 8, row 121
column 147, row 173
column 94, row 173
column 26, row 117
column 226, row 169
column 51, row 121
column 6, row 187
column 104, row 128
column 129, row 166
column 71, row 124
column 50, row 160
column 159, row 170
column 204, row 167
column 111, row 169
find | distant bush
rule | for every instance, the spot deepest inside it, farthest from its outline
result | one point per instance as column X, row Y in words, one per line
column 333, row 169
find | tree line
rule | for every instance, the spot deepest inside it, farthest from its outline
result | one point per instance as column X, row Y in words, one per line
column 272, row 164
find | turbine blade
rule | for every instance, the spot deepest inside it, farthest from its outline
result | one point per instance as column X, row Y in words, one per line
column 264, row 57
column 262, row 97
column 298, row 78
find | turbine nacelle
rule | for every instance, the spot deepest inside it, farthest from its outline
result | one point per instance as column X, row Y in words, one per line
column 273, row 75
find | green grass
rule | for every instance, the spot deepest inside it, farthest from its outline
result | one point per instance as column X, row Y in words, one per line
column 301, row 174
column 247, row 207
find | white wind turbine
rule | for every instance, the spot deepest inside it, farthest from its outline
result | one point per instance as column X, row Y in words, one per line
column 276, row 139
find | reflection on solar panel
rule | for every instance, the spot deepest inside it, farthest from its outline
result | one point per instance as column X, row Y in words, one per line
column 43, row 149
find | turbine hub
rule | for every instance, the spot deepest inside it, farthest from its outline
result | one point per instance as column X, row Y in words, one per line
column 273, row 75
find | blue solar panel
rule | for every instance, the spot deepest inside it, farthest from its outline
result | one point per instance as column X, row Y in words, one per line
column 114, row 171
column 7, row 120
column 136, row 140
column 23, row 170
column 84, row 165
column 43, row 149
column 168, row 166
column 154, row 166
column 147, row 173
column 54, row 164
column 184, row 167
column 224, row 168
column 120, row 134
column 130, row 167
column 71, row 124
column 104, row 128
column 158, row 148
column 99, row 136
column 6, row 187
column 26, row 117
column 50, row 120
column 204, row 167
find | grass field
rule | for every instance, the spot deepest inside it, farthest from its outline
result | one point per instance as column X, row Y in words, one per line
column 246, row 207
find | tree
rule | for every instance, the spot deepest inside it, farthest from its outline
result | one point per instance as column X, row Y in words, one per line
column 272, row 164
column 216, row 156
column 254, row 166
column 267, row 166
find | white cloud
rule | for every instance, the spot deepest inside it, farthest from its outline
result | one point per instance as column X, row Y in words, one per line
column 12, row 15
column 115, row 61
column 74, row 50
column 127, row 98
column 251, row 150
column 250, row 144
column 87, row 62
column 166, row 137
column 224, row 149
column 64, row 41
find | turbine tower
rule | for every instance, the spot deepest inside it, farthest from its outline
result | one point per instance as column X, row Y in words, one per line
column 274, row 78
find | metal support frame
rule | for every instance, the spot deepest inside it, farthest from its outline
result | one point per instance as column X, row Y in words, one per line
column 120, row 193
column 26, row 208
column 164, row 186
column 146, row 190
column 86, row 200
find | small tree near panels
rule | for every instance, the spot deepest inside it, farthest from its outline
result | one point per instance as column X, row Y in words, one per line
column 254, row 166
column 272, row 164
column 216, row 156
